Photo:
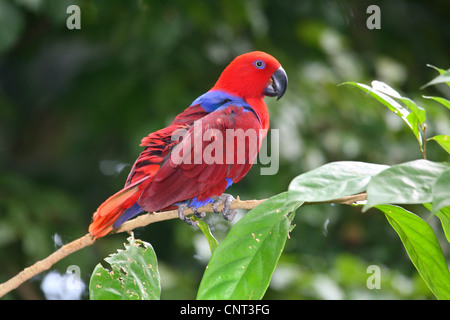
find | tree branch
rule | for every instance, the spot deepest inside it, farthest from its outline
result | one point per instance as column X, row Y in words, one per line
column 140, row 221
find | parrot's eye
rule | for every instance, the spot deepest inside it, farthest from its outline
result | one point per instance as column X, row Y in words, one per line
column 259, row 64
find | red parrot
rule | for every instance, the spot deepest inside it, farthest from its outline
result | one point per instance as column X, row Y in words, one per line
column 174, row 171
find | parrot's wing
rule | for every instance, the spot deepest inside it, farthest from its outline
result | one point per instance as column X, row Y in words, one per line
column 216, row 151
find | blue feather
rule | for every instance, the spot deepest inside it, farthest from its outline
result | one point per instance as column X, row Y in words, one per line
column 127, row 214
column 216, row 99
column 194, row 203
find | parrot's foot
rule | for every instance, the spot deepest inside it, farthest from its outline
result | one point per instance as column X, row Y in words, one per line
column 226, row 200
column 199, row 215
column 181, row 215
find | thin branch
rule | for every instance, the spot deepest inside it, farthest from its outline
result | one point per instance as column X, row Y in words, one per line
column 146, row 219
column 45, row 264
column 140, row 221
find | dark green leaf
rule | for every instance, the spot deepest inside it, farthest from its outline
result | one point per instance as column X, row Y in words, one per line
column 204, row 227
column 413, row 117
column 333, row 180
column 385, row 99
column 133, row 276
column 410, row 182
column 423, row 248
column 242, row 265
column 444, row 77
column 441, row 191
column 443, row 140
column 442, row 101
column 444, row 217
column 440, row 70
column 418, row 111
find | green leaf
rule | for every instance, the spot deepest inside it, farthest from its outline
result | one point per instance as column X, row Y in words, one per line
column 442, row 101
column 133, row 276
column 444, row 77
column 417, row 115
column 441, row 191
column 419, row 112
column 443, row 140
column 204, row 227
column 440, row 70
column 413, row 117
column 242, row 265
column 410, row 182
column 385, row 99
column 333, row 180
column 444, row 217
column 422, row 247
column 105, row 285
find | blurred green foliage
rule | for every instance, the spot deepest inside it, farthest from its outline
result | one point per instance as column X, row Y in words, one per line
column 74, row 105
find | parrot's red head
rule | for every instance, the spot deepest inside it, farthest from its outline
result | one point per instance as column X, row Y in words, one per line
column 253, row 75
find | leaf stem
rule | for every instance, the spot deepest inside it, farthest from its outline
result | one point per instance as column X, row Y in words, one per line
column 424, row 139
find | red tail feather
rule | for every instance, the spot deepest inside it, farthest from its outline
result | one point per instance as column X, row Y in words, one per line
column 110, row 210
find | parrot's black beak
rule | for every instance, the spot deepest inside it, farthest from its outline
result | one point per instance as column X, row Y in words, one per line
column 277, row 84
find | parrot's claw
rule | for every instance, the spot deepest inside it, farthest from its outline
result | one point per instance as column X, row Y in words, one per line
column 181, row 215
column 226, row 200
column 189, row 221
column 199, row 215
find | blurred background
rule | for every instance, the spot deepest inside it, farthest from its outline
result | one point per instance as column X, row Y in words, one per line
column 74, row 105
